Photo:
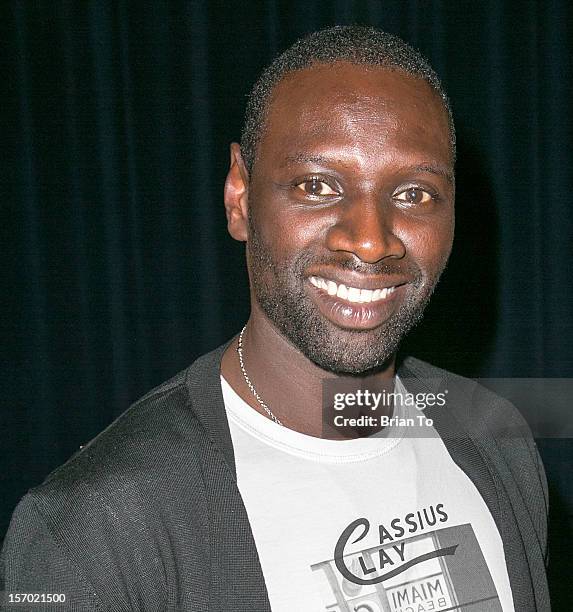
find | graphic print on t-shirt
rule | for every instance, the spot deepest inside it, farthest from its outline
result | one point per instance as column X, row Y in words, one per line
column 433, row 571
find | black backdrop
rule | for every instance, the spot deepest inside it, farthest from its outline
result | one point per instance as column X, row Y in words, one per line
column 116, row 119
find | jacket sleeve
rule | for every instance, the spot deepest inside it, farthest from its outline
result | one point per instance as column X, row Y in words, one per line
column 33, row 562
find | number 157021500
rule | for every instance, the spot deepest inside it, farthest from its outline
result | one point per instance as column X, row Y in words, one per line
column 19, row 598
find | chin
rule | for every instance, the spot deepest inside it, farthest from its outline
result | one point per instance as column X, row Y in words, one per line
column 330, row 346
column 345, row 352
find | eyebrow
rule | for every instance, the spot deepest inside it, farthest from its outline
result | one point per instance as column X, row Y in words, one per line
column 437, row 169
column 305, row 158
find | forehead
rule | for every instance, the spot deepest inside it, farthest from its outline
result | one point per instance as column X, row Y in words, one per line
column 355, row 105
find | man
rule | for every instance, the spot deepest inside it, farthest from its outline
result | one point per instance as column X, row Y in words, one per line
column 229, row 487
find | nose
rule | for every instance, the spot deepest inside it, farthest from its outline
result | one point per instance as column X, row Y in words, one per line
column 366, row 228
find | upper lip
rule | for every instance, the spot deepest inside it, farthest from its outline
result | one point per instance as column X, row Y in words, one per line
column 360, row 281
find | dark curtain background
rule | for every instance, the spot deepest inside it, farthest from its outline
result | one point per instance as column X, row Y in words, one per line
column 118, row 272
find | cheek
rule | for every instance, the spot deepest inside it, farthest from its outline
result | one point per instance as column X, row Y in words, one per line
column 292, row 231
column 285, row 225
column 428, row 244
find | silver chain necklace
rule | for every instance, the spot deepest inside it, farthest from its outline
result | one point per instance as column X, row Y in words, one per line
column 248, row 380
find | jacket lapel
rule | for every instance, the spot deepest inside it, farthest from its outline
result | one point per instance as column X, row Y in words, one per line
column 236, row 577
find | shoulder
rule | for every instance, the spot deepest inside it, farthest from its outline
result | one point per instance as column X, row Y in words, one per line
column 149, row 430
column 126, row 501
column 154, row 448
column 124, row 478
column 476, row 408
column 492, row 422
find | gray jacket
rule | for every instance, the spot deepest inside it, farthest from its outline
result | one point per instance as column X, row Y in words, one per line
column 148, row 516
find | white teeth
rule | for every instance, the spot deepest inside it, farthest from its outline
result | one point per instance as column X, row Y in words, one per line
column 352, row 294
column 366, row 295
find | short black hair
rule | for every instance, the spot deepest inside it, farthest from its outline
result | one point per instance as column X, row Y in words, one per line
column 355, row 44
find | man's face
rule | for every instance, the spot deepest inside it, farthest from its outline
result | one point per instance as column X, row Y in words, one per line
column 351, row 211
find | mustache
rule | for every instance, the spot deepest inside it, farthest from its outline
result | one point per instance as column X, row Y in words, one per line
column 386, row 267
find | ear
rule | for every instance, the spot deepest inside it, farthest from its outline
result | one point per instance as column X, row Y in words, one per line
column 237, row 195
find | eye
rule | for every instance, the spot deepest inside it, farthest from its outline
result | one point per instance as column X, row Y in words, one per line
column 414, row 196
column 315, row 187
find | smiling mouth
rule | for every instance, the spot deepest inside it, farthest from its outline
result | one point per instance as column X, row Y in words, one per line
column 355, row 308
column 351, row 294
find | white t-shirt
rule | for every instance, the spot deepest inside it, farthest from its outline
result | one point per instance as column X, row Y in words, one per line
column 411, row 531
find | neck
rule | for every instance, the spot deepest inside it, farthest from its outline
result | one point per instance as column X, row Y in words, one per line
column 287, row 381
